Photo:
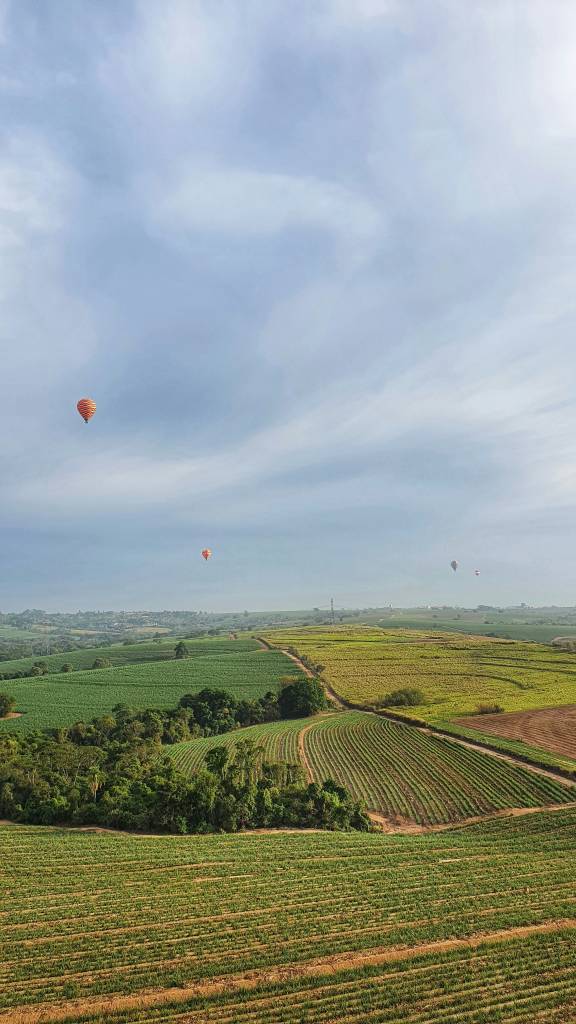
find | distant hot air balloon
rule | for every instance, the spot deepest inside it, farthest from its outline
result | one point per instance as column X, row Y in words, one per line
column 454, row 564
column 86, row 407
column 476, row 572
column 206, row 554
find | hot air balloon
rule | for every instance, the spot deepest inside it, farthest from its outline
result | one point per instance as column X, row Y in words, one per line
column 86, row 407
column 454, row 564
column 206, row 554
column 476, row 572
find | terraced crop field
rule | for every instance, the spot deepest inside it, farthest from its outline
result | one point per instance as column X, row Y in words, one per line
column 397, row 771
column 456, row 673
column 475, row 925
column 54, row 700
column 130, row 654
column 279, row 740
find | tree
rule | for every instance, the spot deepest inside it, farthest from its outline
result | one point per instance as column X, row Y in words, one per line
column 102, row 663
column 180, row 651
column 7, row 704
column 301, row 698
column 67, row 667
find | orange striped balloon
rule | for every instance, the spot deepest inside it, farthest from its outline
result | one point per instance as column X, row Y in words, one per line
column 86, row 407
column 206, row 554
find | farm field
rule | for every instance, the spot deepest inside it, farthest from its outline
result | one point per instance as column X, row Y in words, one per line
column 473, row 925
column 64, row 698
column 455, row 673
column 279, row 739
column 474, row 623
column 129, row 654
column 552, row 728
column 398, row 772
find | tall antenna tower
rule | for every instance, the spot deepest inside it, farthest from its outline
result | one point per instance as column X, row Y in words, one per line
column 332, row 609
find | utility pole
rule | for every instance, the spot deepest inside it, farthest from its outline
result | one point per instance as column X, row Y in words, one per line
column 332, row 609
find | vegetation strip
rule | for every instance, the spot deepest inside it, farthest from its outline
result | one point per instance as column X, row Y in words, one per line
column 49, row 1013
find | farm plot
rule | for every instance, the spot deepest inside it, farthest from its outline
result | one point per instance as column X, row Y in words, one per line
column 279, row 739
column 472, row 925
column 403, row 773
column 395, row 770
column 455, row 673
column 54, row 700
column 551, row 728
column 130, row 654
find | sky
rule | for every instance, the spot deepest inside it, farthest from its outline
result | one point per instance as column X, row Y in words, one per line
column 315, row 264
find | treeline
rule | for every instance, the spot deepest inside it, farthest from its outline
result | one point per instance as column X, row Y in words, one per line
column 112, row 772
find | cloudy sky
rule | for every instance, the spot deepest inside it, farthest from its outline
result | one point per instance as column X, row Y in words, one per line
column 314, row 261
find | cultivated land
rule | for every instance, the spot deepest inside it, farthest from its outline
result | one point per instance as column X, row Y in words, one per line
column 455, row 673
column 130, row 654
column 552, row 728
column 472, row 925
column 398, row 772
column 64, row 698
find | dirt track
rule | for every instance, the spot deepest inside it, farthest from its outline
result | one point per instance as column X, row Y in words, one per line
column 552, row 729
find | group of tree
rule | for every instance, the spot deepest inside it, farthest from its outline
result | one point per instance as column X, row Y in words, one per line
column 41, row 668
column 405, row 698
column 112, row 771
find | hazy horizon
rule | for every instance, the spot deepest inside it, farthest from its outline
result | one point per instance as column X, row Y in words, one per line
column 315, row 266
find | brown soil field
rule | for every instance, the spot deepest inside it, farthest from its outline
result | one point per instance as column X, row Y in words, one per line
column 551, row 729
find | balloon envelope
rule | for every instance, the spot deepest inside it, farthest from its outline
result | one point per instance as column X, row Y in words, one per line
column 454, row 564
column 206, row 554
column 86, row 407
column 476, row 572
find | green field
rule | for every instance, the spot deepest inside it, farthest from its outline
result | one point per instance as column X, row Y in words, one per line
column 291, row 928
column 454, row 672
column 130, row 654
column 396, row 771
column 479, row 624
column 279, row 740
column 64, row 698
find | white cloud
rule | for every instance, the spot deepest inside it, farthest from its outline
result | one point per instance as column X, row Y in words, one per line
column 182, row 55
column 250, row 203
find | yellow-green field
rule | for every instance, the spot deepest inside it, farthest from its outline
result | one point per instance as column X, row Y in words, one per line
column 455, row 672
column 474, row 926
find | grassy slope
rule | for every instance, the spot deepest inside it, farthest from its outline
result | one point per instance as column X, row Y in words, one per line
column 129, row 654
column 455, row 673
column 396, row 771
column 62, row 699
column 140, row 913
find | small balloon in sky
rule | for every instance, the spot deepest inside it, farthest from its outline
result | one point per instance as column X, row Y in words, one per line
column 206, row 554
column 454, row 564
column 86, row 407
column 476, row 572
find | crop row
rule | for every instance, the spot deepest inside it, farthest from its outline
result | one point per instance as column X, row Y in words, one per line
column 393, row 769
column 279, row 740
column 137, row 912
column 129, row 654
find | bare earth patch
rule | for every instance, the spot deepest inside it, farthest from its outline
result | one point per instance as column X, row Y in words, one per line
column 553, row 729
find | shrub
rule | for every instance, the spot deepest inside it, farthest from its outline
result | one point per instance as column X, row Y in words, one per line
column 406, row 698
column 489, row 709
column 102, row 663
column 7, row 704
column 67, row 667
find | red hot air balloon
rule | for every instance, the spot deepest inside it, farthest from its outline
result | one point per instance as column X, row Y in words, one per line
column 86, row 407
column 206, row 554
